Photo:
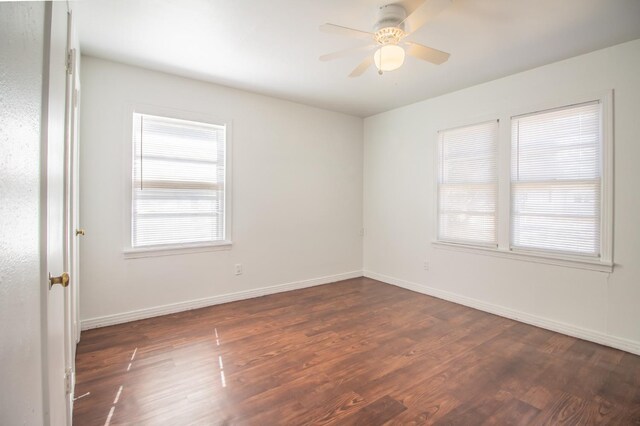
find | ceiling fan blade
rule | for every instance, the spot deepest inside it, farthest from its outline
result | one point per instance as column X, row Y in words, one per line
column 349, row 32
column 425, row 53
column 425, row 12
column 360, row 69
column 346, row 52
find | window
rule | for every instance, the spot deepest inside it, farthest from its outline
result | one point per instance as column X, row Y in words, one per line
column 556, row 180
column 468, row 184
column 179, row 192
column 540, row 190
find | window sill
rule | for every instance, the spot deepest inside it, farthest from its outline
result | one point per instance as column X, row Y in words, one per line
column 175, row 249
column 567, row 261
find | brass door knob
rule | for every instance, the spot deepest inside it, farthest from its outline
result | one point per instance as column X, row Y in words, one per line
column 79, row 232
column 63, row 280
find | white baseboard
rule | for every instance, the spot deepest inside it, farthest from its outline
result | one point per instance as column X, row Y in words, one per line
column 209, row 301
column 560, row 327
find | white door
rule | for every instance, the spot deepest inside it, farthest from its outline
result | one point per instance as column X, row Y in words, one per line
column 57, row 407
column 75, row 232
column 72, row 229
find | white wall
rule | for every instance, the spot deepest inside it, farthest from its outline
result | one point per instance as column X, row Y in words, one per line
column 21, row 65
column 399, row 204
column 297, row 194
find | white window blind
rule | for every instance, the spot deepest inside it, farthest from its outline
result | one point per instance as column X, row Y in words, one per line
column 556, row 180
column 468, row 184
column 178, row 186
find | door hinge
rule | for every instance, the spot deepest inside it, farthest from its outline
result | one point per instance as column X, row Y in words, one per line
column 71, row 61
column 69, row 381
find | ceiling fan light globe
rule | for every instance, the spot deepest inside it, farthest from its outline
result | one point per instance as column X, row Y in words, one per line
column 389, row 57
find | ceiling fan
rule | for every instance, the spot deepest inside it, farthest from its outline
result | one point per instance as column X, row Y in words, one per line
column 389, row 38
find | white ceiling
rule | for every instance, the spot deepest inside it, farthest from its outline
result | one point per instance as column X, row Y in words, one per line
column 272, row 47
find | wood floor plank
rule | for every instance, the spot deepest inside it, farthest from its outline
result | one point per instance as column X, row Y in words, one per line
column 353, row 352
column 376, row 413
column 514, row 412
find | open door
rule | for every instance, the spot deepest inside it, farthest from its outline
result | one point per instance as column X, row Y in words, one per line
column 73, row 232
column 58, row 383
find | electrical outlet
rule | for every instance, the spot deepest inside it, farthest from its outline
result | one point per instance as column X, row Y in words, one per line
column 426, row 265
column 238, row 268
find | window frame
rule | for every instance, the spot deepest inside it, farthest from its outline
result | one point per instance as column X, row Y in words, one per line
column 130, row 252
column 604, row 262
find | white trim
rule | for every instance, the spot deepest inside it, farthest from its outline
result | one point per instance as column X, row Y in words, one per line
column 464, row 124
column 558, row 259
column 213, row 300
column 556, row 103
column 563, row 107
column 503, row 217
column 175, row 249
column 606, row 208
column 546, row 323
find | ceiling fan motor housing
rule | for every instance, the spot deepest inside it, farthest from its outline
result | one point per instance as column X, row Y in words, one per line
column 391, row 15
column 390, row 26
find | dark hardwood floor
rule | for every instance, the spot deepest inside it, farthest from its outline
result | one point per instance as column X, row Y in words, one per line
column 353, row 352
